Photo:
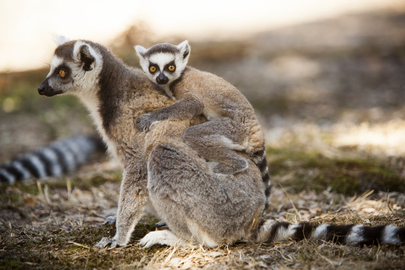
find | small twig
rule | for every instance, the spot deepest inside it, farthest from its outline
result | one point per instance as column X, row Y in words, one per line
column 170, row 255
column 69, row 189
column 359, row 199
column 41, row 191
column 46, row 191
column 388, row 202
column 80, row 245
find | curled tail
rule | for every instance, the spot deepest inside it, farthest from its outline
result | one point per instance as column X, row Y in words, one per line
column 259, row 158
column 54, row 160
column 351, row 235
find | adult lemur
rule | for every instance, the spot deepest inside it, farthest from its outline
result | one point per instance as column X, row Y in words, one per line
column 164, row 173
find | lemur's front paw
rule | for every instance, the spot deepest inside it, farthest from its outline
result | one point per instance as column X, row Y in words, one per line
column 105, row 241
column 144, row 122
column 114, row 242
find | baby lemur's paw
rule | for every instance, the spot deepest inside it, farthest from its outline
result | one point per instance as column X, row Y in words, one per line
column 144, row 122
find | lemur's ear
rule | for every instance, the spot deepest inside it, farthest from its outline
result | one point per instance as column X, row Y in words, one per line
column 60, row 40
column 86, row 58
column 85, row 54
column 140, row 51
column 184, row 49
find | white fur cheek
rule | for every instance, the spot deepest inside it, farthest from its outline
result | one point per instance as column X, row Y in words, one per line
column 178, row 72
column 79, row 77
column 154, row 76
column 145, row 67
column 151, row 76
column 175, row 75
column 85, row 80
column 56, row 84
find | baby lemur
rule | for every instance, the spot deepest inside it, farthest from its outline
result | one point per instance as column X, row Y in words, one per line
column 232, row 124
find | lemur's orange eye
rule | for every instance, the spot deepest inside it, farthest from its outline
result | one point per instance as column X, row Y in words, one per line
column 152, row 69
column 171, row 68
column 62, row 73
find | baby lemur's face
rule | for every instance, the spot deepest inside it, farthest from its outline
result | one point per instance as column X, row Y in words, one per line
column 164, row 63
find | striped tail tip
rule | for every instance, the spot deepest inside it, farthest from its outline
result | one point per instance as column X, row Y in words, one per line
column 351, row 235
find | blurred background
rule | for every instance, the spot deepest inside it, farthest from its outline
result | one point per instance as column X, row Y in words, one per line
column 327, row 78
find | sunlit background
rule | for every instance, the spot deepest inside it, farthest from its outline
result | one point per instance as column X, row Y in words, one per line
column 326, row 79
column 26, row 26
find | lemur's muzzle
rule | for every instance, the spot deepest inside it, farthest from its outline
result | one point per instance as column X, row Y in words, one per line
column 46, row 90
column 162, row 79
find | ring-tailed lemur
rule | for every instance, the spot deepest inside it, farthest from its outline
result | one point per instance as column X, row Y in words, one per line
column 54, row 160
column 232, row 125
column 163, row 172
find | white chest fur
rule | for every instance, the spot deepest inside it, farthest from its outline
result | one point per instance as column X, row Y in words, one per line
column 92, row 104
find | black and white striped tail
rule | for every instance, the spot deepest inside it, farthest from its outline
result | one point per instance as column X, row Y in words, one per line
column 351, row 235
column 54, row 160
column 259, row 158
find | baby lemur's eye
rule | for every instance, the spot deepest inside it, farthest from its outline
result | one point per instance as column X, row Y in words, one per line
column 152, row 69
column 171, row 68
column 62, row 73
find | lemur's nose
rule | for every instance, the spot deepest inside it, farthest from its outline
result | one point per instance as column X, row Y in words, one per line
column 42, row 88
column 162, row 79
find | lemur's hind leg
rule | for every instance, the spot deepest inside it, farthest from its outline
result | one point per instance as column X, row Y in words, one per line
column 197, row 204
column 176, row 183
column 217, row 140
column 164, row 237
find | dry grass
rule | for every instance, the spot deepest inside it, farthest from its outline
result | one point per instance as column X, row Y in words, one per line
column 55, row 224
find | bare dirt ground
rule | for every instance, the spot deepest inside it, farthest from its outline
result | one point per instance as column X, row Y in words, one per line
column 330, row 96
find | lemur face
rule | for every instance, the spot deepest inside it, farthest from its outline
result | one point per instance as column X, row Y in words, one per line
column 74, row 66
column 162, row 68
column 164, row 63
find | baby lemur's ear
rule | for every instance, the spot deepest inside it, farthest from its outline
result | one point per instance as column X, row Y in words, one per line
column 140, row 51
column 184, row 49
